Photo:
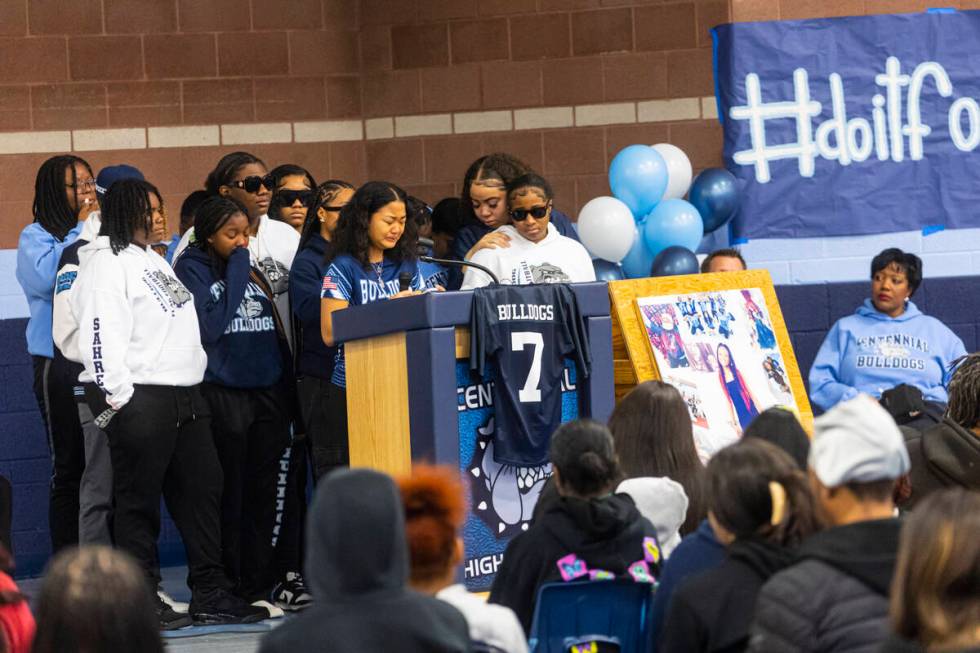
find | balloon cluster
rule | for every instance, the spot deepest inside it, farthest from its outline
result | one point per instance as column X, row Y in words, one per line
column 646, row 228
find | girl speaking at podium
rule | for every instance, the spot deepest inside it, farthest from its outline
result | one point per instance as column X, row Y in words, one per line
column 373, row 248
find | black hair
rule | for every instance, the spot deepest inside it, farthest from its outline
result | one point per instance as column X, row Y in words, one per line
column 51, row 209
column 964, row 391
column 907, row 262
column 95, row 599
column 226, row 169
column 126, row 208
column 325, row 193
column 289, row 170
column 209, row 218
column 498, row 166
column 530, row 180
column 582, row 452
column 418, row 210
column 351, row 236
column 728, row 252
column 740, row 497
column 189, row 207
column 446, row 216
column 873, row 491
column 780, row 427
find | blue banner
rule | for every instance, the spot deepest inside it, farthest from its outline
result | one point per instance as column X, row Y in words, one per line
column 847, row 126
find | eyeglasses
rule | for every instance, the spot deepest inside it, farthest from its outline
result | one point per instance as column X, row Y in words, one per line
column 254, row 183
column 289, row 197
column 537, row 212
column 83, row 184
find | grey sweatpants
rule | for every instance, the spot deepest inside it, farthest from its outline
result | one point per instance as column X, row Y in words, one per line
column 95, row 493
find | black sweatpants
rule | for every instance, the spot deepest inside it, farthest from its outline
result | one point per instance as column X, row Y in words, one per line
column 55, row 392
column 251, row 432
column 291, row 508
column 160, row 443
column 328, row 433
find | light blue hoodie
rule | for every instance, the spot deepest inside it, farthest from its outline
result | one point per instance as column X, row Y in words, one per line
column 38, row 253
column 871, row 352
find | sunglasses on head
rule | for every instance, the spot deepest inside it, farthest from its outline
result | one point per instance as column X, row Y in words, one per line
column 254, row 183
column 289, row 197
column 537, row 212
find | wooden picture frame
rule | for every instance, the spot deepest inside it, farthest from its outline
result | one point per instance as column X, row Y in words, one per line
column 633, row 359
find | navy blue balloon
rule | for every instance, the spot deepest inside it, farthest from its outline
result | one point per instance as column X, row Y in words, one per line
column 714, row 194
column 607, row 270
column 673, row 261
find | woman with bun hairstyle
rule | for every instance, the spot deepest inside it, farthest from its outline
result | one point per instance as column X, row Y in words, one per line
column 248, row 384
column 435, row 508
column 761, row 508
column 935, row 593
column 373, row 246
column 588, row 532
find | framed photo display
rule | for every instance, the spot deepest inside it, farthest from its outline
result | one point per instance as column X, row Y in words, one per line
column 720, row 339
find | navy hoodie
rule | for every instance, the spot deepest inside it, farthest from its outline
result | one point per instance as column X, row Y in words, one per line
column 305, row 283
column 238, row 327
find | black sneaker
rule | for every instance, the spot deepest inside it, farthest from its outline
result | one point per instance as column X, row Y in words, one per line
column 169, row 618
column 219, row 606
column 291, row 593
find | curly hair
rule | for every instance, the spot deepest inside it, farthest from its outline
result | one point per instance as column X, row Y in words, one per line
column 498, row 166
column 126, row 209
column 209, row 218
column 351, row 236
column 964, row 391
column 435, row 507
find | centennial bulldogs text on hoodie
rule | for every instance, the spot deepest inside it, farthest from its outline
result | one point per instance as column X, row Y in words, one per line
column 273, row 248
column 64, row 323
column 871, row 352
column 137, row 323
column 554, row 259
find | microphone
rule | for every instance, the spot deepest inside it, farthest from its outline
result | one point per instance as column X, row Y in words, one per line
column 461, row 264
column 404, row 281
column 426, row 242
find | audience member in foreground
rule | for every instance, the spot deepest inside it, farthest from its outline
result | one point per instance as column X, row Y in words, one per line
column 435, row 507
column 780, row 427
column 357, row 567
column 16, row 620
column 935, row 603
column 94, row 599
column 663, row 502
column 723, row 260
column 537, row 252
column 835, row 597
column 651, row 429
column 887, row 342
column 948, row 454
column 761, row 508
column 587, row 532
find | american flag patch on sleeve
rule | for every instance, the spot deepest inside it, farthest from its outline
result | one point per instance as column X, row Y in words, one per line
column 328, row 283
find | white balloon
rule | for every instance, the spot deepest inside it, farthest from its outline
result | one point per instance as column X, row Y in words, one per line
column 678, row 170
column 607, row 229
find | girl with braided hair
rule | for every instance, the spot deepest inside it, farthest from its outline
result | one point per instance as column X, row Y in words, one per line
column 140, row 343
column 64, row 196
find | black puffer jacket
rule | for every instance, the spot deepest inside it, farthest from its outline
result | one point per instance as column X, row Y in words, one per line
column 834, row 599
column 945, row 455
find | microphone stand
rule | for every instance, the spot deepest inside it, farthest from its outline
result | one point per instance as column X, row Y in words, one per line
column 455, row 263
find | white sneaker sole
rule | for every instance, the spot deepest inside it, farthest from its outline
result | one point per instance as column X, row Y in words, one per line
column 274, row 611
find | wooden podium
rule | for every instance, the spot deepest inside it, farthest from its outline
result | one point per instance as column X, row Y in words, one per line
column 402, row 368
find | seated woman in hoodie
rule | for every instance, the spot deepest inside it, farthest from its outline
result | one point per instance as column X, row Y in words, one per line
column 887, row 342
column 537, row 252
column 760, row 507
column 248, row 385
column 947, row 454
column 357, row 566
column 435, row 507
column 589, row 532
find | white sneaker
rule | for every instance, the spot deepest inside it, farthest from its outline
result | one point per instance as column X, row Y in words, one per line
column 274, row 612
column 176, row 606
column 291, row 594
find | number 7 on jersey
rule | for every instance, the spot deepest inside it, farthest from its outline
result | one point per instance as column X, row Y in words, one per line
column 519, row 340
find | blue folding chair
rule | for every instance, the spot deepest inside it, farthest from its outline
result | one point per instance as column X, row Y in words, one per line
column 593, row 616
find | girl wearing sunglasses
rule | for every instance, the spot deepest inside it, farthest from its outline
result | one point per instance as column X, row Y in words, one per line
column 295, row 190
column 537, row 252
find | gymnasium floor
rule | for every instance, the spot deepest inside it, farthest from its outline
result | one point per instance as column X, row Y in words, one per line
column 245, row 639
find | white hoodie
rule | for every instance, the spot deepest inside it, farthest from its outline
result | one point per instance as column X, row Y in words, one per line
column 137, row 322
column 64, row 324
column 554, row 259
column 272, row 249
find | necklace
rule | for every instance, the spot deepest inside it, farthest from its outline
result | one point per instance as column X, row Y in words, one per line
column 378, row 268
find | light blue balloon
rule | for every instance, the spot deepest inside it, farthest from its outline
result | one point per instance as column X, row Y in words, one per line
column 607, row 270
column 673, row 222
column 638, row 178
column 638, row 262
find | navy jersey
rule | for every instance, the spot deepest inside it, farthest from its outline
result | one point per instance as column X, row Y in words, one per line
column 347, row 280
column 526, row 332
